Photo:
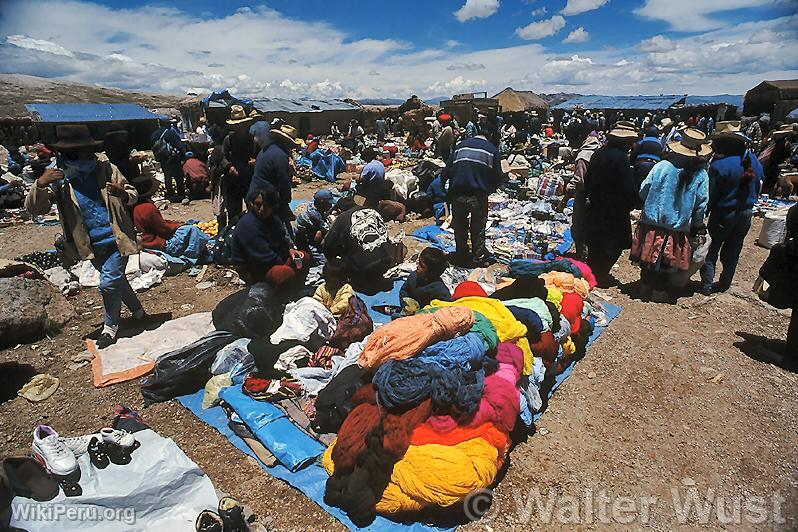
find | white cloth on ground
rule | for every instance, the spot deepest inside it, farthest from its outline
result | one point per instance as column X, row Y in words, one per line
column 306, row 321
column 288, row 360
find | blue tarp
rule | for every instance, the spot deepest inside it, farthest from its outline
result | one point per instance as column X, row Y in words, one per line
column 88, row 112
column 227, row 98
column 621, row 102
column 324, row 164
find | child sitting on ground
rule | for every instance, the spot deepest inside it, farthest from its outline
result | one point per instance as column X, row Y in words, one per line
column 425, row 283
column 335, row 292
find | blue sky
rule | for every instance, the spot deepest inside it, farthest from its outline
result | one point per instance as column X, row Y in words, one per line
column 357, row 49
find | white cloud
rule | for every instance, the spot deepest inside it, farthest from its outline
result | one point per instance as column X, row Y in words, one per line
column 451, row 43
column 38, row 44
column 693, row 15
column 657, row 43
column 466, row 66
column 578, row 35
column 575, row 7
column 539, row 12
column 456, row 85
column 476, row 9
column 542, row 28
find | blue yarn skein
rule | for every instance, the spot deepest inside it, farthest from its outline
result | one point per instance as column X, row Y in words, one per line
column 451, row 373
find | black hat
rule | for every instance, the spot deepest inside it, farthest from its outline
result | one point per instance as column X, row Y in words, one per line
column 74, row 137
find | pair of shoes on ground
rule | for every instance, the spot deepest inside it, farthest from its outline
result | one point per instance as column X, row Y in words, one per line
column 109, row 333
column 230, row 518
column 59, row 456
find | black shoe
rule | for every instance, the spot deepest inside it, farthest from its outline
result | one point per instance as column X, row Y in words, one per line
column 458, row 260
column 232, row 514
column 96, row 450
column 484, row 262
column 705, row 290
column 105, row 340
column 208, row 521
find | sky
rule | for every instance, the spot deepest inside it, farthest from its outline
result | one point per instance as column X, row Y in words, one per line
column 375, row 49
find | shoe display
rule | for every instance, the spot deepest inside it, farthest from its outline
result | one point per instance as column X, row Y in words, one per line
column 232, row 514
column 119, row 437
column 79, row 445
column 208, row 521
column 53, row 453
column 96, row 449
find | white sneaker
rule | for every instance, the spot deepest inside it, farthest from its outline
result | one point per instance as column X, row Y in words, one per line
column 53, row 453
column 121, row 438
column 79, row 445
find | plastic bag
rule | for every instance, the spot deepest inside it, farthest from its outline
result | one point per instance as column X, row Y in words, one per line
column 252, row 312
column 230, row 355
column 185, row 370
column 213, row 387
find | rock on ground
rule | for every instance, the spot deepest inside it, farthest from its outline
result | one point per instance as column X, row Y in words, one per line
column 29, row 309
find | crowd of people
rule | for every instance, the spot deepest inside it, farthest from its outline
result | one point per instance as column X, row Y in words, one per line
column 695, row 188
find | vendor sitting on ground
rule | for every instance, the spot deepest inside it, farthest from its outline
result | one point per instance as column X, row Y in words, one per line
column 173, row 238
column 198, row 181
column 425, row 284
column 261, row 247
column 312, row 225
column 335, row 292
column 371, row 182
column 359, row 237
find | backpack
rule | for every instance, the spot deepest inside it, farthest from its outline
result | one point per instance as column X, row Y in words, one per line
column 162, row 150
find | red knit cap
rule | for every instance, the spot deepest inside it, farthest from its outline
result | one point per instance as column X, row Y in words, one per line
column 468, row 288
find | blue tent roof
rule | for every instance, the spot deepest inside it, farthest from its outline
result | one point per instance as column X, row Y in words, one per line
column 620, row 102
column 225, row 99
column 88, row 112
column 728, row 99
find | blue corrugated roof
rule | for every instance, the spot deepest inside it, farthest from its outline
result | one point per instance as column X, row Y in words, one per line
column 620, row 102
column 728, row 99
column 302, row 105
column 88, row 112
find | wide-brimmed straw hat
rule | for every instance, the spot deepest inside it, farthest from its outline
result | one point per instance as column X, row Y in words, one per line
column 145, row 185
column 729, row 129
column 74, row 137
column 693, row 144
column 238, row 115
column 624, row 130
column 665, row 122
column 287, row 134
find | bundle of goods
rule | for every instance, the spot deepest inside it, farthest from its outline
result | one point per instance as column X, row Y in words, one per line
column 446, row 389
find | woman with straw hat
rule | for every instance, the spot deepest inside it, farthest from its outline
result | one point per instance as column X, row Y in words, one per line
column 611, row 195
column 675, row 196
column 735, row 179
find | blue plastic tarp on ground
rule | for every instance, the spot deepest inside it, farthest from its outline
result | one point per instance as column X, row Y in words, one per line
column 382, row 298
column 288, row 443
column 312, row 480
column 324, row 164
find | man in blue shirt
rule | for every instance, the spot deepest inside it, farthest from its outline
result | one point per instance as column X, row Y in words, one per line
column 272, row 167
column 473, row 172
column 371, row 183
column 735, row 180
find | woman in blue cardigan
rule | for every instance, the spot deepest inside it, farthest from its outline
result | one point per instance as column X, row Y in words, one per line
column 675, row 196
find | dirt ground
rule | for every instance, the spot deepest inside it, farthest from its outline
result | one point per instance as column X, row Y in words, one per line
column 670, row 405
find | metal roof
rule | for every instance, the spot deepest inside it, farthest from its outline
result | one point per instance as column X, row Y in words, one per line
column 88, row 112
column 621, row 102
column 728, row 99
column 302, row 105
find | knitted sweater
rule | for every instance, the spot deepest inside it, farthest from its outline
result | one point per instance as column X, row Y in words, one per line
column 671, row 206
column 155, row 231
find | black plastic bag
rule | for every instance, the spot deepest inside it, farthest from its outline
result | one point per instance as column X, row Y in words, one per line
column 253, row 312
column 184, row 370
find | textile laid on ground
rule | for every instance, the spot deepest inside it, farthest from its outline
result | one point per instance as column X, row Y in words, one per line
column 144, row 271
column 160, row 489
column 130, row 358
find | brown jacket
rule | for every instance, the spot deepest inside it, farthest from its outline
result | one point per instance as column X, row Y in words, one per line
column 40, row 200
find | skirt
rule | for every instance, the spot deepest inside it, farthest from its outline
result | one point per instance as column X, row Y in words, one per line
column 661, row 249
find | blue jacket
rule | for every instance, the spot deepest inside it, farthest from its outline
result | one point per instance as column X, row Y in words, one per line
column 670, row 206
column 726, row 190
column 474, row 167
column 649, row 148
column 271, row 166
column 259, row 244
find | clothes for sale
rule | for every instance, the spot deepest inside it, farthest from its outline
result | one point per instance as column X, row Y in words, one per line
column 306, row 321
column 337, row 302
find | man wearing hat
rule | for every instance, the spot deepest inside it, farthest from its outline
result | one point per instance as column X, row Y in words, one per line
column 93, row 200
column 775, row 151
column 273, row 167
column 168, row 150
column 735, row 179
column 611, row 195
column 238, row 148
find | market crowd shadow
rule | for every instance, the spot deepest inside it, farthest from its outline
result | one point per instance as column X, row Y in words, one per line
column 13, row 376
column 768, row 350
column 129, row 327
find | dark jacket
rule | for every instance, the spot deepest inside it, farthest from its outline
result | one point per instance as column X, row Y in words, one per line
column 611, row 192
column 360, row 237
column 424, row 293
column 474, row 167
column 171, row 137
column 727, row 191
column 259, row 244
column 272, row 167
column 307, row 225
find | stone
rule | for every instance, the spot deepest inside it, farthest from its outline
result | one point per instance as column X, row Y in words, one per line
column 30, row 309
